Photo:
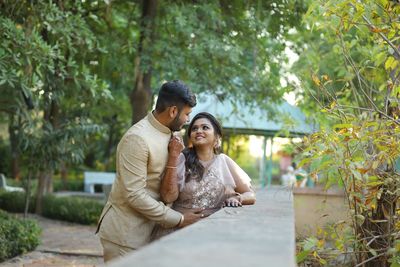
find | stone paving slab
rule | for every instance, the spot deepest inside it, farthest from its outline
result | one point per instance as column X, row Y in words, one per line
column 62, row 244
column 69, row 238
column 40, row 259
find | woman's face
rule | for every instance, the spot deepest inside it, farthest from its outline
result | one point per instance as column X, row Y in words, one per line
column 202, row 133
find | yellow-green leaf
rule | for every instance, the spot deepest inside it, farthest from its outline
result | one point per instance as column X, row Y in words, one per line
column 390, row 63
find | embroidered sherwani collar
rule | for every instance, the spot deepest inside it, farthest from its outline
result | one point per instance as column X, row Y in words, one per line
column 156, row 124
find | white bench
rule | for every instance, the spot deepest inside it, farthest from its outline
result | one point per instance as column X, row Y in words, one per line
column 93, row 178
column 3, row 184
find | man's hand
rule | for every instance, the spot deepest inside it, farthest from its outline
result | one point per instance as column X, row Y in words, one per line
column 192, row 217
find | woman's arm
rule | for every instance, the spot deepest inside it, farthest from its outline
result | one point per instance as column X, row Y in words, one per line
column 248, row 198
column 169, row 189
column 246, row 195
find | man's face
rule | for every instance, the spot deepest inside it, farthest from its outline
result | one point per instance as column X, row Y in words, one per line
column 181, row 118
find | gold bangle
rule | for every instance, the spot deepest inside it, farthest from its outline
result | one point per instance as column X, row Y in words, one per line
column 181, row 221
column 170, row 167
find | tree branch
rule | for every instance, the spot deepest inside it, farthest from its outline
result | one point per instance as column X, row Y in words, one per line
column 381, row 34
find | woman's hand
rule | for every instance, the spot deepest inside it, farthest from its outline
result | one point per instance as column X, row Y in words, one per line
column 234, row 201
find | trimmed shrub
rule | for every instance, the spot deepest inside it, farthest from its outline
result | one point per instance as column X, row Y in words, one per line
column 17, row 236
column 71, row 185
column 15, row 201
column 72, row 209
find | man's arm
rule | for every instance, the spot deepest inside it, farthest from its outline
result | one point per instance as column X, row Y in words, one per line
column 132, row 158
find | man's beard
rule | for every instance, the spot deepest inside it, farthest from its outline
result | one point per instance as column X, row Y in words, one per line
column 176, row 124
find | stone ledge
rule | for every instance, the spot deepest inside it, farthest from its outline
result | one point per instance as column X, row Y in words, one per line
column 319, row 190
column 258, row 235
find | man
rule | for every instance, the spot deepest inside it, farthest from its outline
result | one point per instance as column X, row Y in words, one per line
column 133, row 206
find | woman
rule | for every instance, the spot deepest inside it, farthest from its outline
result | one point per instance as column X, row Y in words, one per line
column 201, row 178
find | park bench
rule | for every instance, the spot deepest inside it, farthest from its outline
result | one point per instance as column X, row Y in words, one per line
column 90, row 179
column 3, row 185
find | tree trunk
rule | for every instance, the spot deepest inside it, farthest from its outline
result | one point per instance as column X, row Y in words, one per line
column 140, row 96
column 40, row 192
column 15, row 153
column 52, row 116
column 64, row 174
column 110, row 143
column 381, row 224
column 28, row 193
column 45, row 184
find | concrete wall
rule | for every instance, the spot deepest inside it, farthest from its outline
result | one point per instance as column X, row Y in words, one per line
column 258, row 235
column 316, row 207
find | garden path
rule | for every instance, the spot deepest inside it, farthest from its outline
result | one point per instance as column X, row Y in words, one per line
column 62, row 244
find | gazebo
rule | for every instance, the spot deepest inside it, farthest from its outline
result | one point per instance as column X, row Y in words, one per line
column 239, row 118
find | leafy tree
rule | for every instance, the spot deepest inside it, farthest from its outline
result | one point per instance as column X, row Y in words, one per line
column 45, row 53
column 68, row 66
column 231, row 48
column 358, row 147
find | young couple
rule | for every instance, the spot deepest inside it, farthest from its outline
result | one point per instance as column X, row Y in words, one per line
column 154, row 169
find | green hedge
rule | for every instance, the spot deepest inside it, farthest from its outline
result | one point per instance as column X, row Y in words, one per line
column 72, row 209
column 75, row 184
column 71, row 185
column 15, row 202
column 17, row 236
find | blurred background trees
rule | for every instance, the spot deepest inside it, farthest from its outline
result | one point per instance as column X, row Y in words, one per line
column 75, row 74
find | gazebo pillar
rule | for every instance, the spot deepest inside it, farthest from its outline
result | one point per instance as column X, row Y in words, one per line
column 269, row 169
column 262, row 163
column 266, row 164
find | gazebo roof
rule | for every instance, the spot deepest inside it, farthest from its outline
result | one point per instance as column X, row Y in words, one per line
column 239, row 118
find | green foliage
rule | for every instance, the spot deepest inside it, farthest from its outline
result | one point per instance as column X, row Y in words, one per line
column 238, row 150
column 46, row 79
column 359, row 144
column 70, row 185
column 237, row 45
column 72, row 209
column 5, row 157
column 360, row 156
column 332, row 246
column 288, row 149
column 343, row 48
column 15, row 201
column 17, row 236
column 75, row 61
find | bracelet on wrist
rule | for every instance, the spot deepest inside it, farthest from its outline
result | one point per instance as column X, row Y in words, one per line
column 170, row 167
column 181, row 221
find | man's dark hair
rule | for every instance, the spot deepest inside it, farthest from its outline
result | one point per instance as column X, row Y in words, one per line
column 174, row 93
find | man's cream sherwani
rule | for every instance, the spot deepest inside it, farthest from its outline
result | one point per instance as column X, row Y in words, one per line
column 134, row 207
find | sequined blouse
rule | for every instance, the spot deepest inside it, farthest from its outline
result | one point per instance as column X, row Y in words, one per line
column 211, row 190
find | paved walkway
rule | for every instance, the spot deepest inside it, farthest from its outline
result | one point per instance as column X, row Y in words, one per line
column 62, row 244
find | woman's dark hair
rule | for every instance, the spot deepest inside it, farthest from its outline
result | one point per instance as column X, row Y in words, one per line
column 194, row 169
